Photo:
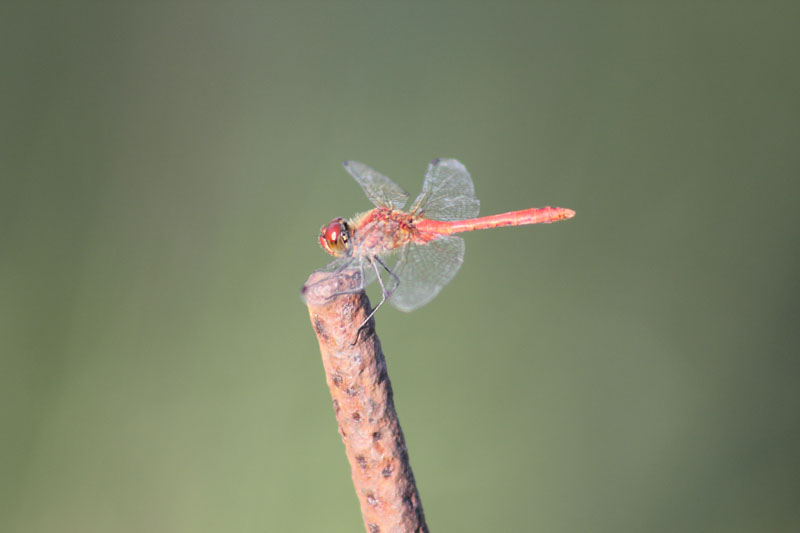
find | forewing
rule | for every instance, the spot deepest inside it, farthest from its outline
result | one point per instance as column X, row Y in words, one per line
column 380, row 190
column 424, row 269
column 339, row 264
column 447, row 193
column 349, row 263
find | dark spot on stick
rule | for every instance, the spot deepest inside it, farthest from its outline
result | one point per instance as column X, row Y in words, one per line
column 387, row 472
column 350, row 391
column 319, row 327
column 362, row 462
column 372, row 499
column 357, row 416
column 408, row 501
column 374, row 528
column 336, row 406
column 376, row 436
column 336, row 378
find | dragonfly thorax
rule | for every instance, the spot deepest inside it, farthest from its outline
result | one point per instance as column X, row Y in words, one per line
column 380, row 231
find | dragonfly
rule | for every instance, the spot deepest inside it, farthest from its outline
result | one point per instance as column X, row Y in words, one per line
column 417, row 249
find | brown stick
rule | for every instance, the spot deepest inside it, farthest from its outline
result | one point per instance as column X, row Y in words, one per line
column 362, row 400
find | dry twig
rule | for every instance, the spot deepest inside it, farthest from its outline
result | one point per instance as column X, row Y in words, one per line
column 362, row 400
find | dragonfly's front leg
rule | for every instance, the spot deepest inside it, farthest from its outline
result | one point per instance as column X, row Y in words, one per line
column 385, row 293
column 396, row 279
column 349, row 265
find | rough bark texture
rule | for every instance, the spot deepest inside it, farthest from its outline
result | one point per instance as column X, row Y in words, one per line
column 362, row 401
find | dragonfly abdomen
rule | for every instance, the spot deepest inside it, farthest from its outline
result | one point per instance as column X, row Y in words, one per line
column 534, row 215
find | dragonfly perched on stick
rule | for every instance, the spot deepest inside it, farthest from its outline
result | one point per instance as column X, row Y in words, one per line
column 421, row 241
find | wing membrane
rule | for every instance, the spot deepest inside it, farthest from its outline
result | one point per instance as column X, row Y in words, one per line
column 447, row 193
column 358, row 264
column 380, row 190
column 424, row 269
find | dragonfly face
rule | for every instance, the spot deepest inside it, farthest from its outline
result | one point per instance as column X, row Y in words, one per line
column 335, row 237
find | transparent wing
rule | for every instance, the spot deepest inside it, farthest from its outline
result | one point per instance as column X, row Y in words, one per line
column 352, row 263
column 447, row 193
column 339, row 264
column 424, row 269
column 380, row 190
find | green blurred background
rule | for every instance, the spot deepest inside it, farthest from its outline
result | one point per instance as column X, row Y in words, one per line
column 165, row 170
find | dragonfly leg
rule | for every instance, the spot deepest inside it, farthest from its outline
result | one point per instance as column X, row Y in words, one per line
column 396, row 279
column 342, row 268
column 385, row 293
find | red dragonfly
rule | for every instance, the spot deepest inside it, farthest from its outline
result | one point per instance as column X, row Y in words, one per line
column 426, row 253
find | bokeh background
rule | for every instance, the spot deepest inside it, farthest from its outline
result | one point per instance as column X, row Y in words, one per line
column 165, row 168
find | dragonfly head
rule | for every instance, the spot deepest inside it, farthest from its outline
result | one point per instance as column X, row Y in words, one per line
column 335, row 237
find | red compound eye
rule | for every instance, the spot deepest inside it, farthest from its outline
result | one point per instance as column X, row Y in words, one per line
column 333, row 237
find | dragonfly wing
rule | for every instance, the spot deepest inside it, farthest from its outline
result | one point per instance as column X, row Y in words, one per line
column 447, row 193
column 424, row 269
column 339, row 264
column 380, row 190
column 349, row 263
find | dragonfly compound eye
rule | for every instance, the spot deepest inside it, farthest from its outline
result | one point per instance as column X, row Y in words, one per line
column 334, row 237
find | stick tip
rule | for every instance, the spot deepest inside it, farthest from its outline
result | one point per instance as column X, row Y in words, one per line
column 321, row 287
